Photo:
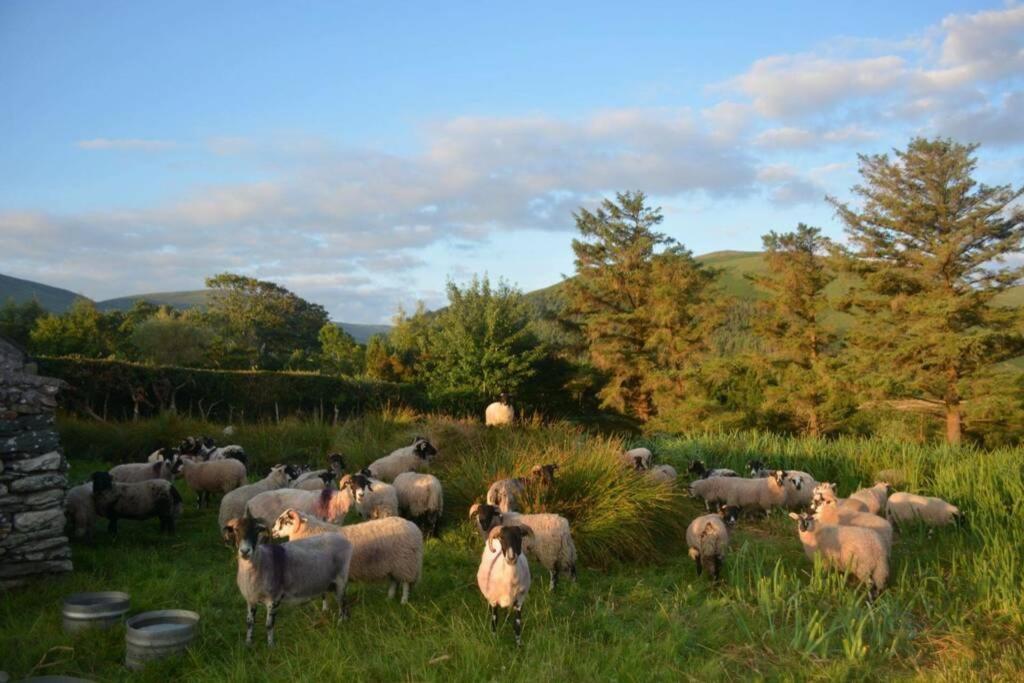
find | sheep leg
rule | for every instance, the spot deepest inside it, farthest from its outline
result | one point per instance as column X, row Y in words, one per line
column 494, row 618
column 271, row 615
column 339, row 595
column 405, row 592
column 572, row 572
column 554, row 578
column 697, row 564
column 392, row 586
column 717, row 568
column 250, row 623
column 518, row 624
column 199, row 501
column 323, row 603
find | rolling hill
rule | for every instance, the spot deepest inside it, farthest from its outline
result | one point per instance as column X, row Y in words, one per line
column 53, row 299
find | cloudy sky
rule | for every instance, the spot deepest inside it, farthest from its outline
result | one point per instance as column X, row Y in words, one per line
column 363, row 153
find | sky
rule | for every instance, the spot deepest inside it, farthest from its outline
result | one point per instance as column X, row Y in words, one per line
column 363, row 154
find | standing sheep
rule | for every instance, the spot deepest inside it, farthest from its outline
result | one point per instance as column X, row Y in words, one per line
column 296, row 571
column 756, row 494
column 551, row 543
column 846, row 548
column 167, row 454
column 910, row 507
column 713, row 490
column 827, row 491
column 414, row 458
column 505, row 493
column 499, row 413
column 874, row 498
column 504, row 574
column 828, row 513
column 374, row 499
column 698, row 469
column 331, row 505
column 708, row 538
column 132, row 472
column 232, row 505
column 324, row 479
column 637, row 458
column 80, row 510
column 138, row 500
column 420, row 497
column 206, row 478
column 389, row 549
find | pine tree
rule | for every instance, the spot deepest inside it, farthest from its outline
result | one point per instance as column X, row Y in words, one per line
column 928, row 241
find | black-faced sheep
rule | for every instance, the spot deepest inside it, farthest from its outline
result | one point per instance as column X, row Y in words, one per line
column 233, row 503
column 413, row 458
column 846, row 548
column 137, row 500
column 374, row 499
column 331, row 505
column 551, row 544
column 207, row 478
column 420, row 498
column 698, row 469
column 499, row 413
column 504, row 574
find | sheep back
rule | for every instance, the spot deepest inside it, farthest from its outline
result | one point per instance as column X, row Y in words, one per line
column 419, row 494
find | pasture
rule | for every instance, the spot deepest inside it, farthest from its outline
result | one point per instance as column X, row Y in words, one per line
column 953, row 609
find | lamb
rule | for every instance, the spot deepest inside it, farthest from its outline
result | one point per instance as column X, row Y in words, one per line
column 331, row 505
column 859, row 550
column 132, row 472
column 420, row 497
column 828, row 513
column 551, row 543
column 874, row 498
column 382, row 549
column 216, row 476
column 757, row 494
column 233, row 503
column 662, row 473
column 504, row 574
column 908, row 507
column 499, row 413
column 708, row 538
column 137, row 500
column 698, row 469
column 629, row 458
column 288, row 572
column 505, row 493
column 827, row 491
column 374, row 499
column 80, row 510
column 414, row 458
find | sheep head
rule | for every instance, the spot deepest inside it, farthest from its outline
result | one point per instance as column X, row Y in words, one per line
column 511, row 540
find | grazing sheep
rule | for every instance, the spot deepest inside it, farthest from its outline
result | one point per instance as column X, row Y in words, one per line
column 713, row 490
column 331, row 505
column 828, row 513
column 859, row 550
column 551, row 543
column 662, row 473
column 216, row 476
column 756, row 494
column 80, row 510
column 232, row 505
column 910, row 507
column 420, row 497
column 136, row 500
column 874, row 498
column 414, row 458
column 296, row 571
column 374, row 499
column 499, row 413
column 504, row 574
column 698, row 469
column 630, row 458
column 132, row 472
column 388, row 549
column 505, row 493
column 708, row 538
column 827, row 491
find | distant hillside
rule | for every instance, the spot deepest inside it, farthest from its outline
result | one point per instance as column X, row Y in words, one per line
column 197, row 298
column 53, row 299
column 362, row 332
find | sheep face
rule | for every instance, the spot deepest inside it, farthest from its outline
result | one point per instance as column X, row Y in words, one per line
column 546, row 473
column 360, row 485
column 511, row 540
column 730, row 514
column 487, row 517
column 424, row 448
column 292, row 472
column 101, row 481
column 327, row 477
column 805, row 522
column 755, row 466
column 822, row 492
column 797, row 482
column 245, row 533
column 286, row 524
column 696, row 467
column 779, row 476
column 336, row 463
column 503, row 398
column 638, row 463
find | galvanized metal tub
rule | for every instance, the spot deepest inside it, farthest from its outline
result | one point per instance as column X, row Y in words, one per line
column 154, row 635
column 87, row 610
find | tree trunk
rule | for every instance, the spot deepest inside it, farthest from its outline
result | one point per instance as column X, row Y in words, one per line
column 953, row 423
column 813, row 424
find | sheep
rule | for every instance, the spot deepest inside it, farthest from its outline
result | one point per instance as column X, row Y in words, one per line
column 713, row 490
column 412, row 458
column 908, row 507
column 757, row 494
column 132, row 472
column 389, row 548
column 504, row 493
column 80, row 510
column 228, row 431
column 708, row 538
column 499, row 413
column 323, row 479
column 828, row 513
column 827, row 491
column 206, row 478
column 135, row 500
column 662, row 474
column 698, row 469
column 857, row 549
column 331, row 505
column 234, row 452
column 294, row 572
column 630, row 458
column 420, row 496
column 233, row 503
column 874, row 498
column 799, row 490
column 335, row 466
column 504, row 574
column 162, row 454
column 759, row 470
column 551, row 544
column 374, row 499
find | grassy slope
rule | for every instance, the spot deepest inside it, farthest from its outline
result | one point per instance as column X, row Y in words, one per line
column 952, row 610
column 51, row 298
column 181, row 300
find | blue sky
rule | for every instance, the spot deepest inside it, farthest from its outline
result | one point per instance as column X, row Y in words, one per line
column 363, row 155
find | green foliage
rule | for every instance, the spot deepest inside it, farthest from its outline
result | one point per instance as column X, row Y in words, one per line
column 339, row 352
column 17, row 320
column 81, row 330
column 170, row 339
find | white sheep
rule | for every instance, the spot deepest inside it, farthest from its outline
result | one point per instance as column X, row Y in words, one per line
column 699, row 469
column 799, row 485
column 420, row 497
column 286, row 572
column 827, row 491
column 708, row 538
column 131, row 472
column 389, row 549
column 662, row 473
column 232, row 505
column 714, row 491
column 505, row 493
column 756, row 494
column 637, row 458
column 846, row 548
column 159, row 454
column 413, row 458
column 80, row 510
column 499, row 413
column 374, row 499
column 910, row 507
column 331, row 505
column 207, row 478
column 829, row 513
column 135, row 500
column 551, row 544
column 322, row 479
column 504, row 574
column 874, row 498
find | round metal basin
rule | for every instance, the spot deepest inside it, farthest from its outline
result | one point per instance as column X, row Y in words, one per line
column 87, row 610
column 154, row 635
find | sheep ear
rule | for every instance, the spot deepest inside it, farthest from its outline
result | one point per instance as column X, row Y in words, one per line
column 793, row 515
column 474, row 510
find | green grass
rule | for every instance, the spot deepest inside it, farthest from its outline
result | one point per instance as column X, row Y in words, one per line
column 639, row 612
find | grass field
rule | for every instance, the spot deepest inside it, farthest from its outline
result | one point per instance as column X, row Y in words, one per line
column 638, row 612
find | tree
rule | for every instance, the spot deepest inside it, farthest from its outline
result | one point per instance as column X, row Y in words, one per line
column 637, row 306
column 171, row 339
column 339, row 352
column 79, row 331
column 262, row 322
column 929, row 242
column 801, row 348
column 17, row 320
column 381, row 363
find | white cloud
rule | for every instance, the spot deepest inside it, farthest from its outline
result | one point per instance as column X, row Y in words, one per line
column 126, row 144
